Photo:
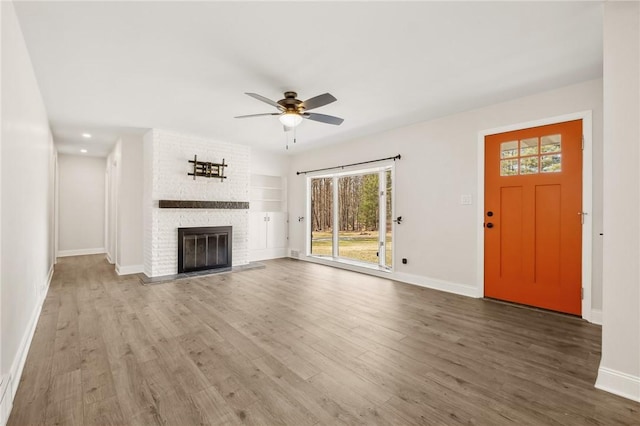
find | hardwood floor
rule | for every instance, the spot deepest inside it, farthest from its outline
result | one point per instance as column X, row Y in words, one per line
column 301, row 344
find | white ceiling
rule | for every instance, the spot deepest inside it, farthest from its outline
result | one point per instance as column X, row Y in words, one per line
column 109, row 68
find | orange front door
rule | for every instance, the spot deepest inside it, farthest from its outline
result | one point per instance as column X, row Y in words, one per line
column 533, row 216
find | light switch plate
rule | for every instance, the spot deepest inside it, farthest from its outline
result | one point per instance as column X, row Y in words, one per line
column 466, row 199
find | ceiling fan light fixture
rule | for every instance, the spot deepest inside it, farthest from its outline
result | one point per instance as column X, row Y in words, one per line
column 291, row 110
column 290, row 119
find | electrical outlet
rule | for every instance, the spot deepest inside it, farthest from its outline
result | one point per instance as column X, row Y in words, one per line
column 404, row 260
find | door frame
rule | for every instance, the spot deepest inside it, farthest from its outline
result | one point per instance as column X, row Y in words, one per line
column 587, row 196
column 342, row 262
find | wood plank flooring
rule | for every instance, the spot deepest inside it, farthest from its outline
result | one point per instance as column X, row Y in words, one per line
column 301, row 344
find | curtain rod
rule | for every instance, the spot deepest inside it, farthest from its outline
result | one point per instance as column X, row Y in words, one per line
column 397, row 157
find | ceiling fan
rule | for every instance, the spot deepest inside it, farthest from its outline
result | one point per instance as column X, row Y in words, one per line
column 291, row 111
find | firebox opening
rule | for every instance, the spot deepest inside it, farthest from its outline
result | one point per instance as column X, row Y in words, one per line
column 204, row 248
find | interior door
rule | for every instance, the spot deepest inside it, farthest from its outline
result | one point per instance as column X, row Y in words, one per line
column 533, row 216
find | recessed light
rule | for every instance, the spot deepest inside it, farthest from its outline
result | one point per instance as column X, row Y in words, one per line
column 86, row 135
column 84, row 151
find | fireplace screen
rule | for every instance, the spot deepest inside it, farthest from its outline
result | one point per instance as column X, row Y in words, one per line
column 204, row 248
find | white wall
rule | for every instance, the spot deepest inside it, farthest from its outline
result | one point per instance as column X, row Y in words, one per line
column 81, row 197
column 620, row 366
column 112, row 174
column 269, row 163
column 4, row 401
column 438, row 235
column 27, row 158
column 129, row 251
column 166, row 156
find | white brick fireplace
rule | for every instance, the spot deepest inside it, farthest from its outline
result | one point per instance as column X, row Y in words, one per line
column 166, row 164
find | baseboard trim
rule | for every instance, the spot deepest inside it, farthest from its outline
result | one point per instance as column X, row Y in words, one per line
column 45, row 287
column 129, row 269
column 11, row 381
column 80, row 252
column 596, row 316
column 432, row 283
column 618, row 383
column 5, row 400
column 436, row 284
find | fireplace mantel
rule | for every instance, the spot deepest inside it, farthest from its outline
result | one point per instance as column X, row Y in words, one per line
column 194, row 204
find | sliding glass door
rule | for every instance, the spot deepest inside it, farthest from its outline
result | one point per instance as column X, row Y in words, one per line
column 351, row 217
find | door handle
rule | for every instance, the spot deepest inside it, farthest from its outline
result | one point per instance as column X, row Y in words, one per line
column 582, row 215
column 489, row 225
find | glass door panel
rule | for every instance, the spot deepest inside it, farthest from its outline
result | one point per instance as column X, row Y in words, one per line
column 322, row 217
column 358, row 217
column 388, row 245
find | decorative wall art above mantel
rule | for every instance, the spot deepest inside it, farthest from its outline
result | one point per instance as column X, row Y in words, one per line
column 207, row 169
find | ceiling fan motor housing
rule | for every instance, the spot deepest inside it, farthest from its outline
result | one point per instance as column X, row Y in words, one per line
column 290, row 103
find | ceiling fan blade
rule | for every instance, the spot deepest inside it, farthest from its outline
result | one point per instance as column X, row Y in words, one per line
column 265, row 100
column 318, row 101
column 329, row 119
column 257, row 115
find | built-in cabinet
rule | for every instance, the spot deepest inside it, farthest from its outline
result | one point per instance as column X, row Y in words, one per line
column 268, row 219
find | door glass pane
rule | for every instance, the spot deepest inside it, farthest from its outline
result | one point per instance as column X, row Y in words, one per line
column 322, row 216
column 509, row 149
column 508, row 167
column 349, row 194
column 529, row 147
column 359, row 217
column 551, row 163
column 528, row 165
column 550, row 144
column 388, row 258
